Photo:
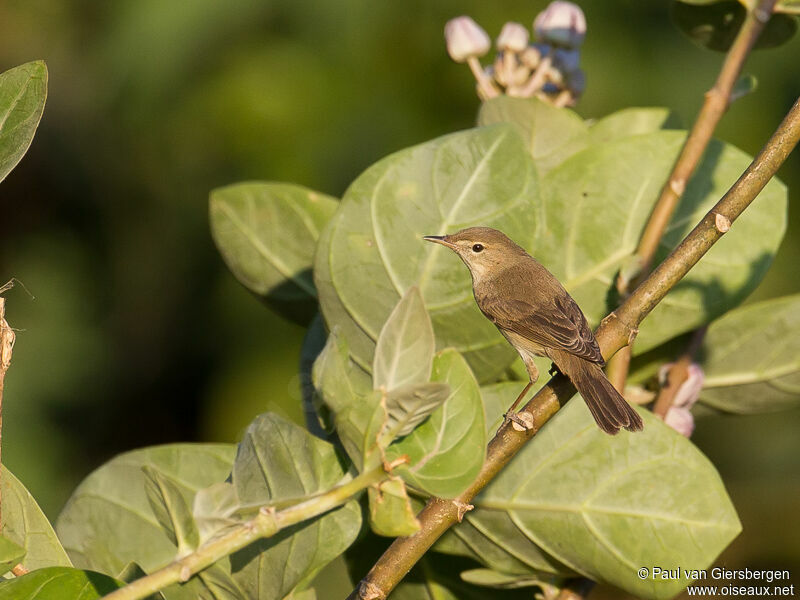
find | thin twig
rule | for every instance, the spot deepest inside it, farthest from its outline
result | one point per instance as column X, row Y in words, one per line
column 716, row 103
column 265, row 524
column 616, row 330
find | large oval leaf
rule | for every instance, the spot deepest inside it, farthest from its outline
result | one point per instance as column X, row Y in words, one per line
column 576, row 500
column 24, row 524
column 446, row 452
column 751, row 358
column 59, row 583
column 631, row 121
column 551, row 134
column 109, row 523
column 267, row 233
column 596, row 205
column 23, row 91
column 277, row 460
column 372, row 251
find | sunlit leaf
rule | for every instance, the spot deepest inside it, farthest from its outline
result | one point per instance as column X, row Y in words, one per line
column 267, row 233
column 23, row 91
column 346, row 391
column 59, row 583
column 551, row 134
column 390, row 510
column 408, row 406
column 405, row 346
column 598, row 201
column 575, row 500
column 446, row 452
column 371, row 252
column 278, row 461
column 751, row 358
column 11, row 554
column 171, row 509
column 24, row 524
column 631, row 121
column 109, row 523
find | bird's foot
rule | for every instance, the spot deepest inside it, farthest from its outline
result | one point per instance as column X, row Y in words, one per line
column 554, row 370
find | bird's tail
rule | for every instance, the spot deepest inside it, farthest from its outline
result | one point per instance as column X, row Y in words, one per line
column 606, row 404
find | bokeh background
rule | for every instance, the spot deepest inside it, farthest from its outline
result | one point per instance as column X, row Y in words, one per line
column 132, row 332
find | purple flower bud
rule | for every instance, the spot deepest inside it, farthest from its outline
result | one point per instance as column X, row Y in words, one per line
column 566, row 61
column 513, row 37
column 681, row 420
column 465, row 39
column 562, row 24
column 576, row 82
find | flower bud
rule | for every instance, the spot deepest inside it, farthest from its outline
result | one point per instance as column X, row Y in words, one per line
column 689, row 392
column 566, row 61
column 576, row 82
column 531, row 57
column 681, row 420
column 465, row 39
column 561, row 23
column 513, row 37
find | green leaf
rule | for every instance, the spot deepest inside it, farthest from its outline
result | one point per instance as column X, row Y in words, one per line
column 24, row 524
column 631, row 121
column 746, row 84
column 596, row 206
column 11, row 554
column 108, row 522
column 59, row 583
column 716, row 25
column 551, row 134
column 215, row 509
column 575, row 500
column 278, row 461
column 346, row 390
column 390, row 510
column 371, row 252
column 405, row 346
column 171, row 509
column 407, row 407
column 132, row 572
column 751, row 358
column 267, row 233
column 447, row 451
column 505, row 581
column 23, row 91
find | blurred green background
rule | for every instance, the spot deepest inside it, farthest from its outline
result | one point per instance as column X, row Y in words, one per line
column 136, row 334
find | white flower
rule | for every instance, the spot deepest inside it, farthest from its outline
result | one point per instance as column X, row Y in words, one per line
column 465, row 39
column 681, row 420
column 513, row 37
column 561, row 23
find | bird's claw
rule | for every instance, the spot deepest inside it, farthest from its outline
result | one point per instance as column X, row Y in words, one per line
column 520, row 421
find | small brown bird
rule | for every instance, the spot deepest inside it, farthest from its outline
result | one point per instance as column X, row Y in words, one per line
column 539, row 318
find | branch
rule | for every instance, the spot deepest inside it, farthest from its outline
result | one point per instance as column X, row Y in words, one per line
column 617, row 330
column 716, row 103
column 265, row 524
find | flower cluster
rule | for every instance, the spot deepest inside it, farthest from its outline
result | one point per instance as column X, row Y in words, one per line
column 548, row 68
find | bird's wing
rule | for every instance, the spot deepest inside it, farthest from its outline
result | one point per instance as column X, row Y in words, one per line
column 557, row 325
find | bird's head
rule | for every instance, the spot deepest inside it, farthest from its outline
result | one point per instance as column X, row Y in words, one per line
column 482, row 249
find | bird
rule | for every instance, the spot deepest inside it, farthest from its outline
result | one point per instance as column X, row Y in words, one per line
column 538, row 317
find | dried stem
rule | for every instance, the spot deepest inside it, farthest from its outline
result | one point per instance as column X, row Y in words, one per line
column 717, row 100
column 616, row 331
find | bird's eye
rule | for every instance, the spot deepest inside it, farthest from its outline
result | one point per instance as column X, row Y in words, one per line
column 477, row 248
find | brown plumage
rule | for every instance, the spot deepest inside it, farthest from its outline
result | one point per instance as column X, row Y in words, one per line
column 539, row 318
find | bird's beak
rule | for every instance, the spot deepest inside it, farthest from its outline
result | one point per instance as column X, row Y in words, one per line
column 438, row 239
